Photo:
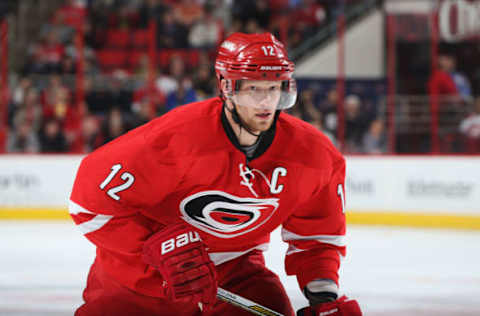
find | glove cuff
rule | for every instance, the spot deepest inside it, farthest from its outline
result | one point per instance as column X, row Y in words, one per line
column 321, row 291
column 322, row 285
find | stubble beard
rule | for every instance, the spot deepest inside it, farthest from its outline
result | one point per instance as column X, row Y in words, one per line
column 259, row 126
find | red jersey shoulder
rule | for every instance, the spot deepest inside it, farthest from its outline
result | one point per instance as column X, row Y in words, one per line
column 171, row 134
column 119, row 176
column 151, row 154
column 311, row 147
column 190, row 129
column 180, row 118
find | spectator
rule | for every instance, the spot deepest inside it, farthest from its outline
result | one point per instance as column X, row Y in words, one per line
column 169, row 83
column 89, row 137
column 235, row 26
column 470, row 128
column 461, row 81
column 295, row 38
column 244, row 10
column 306, row 108
column 205, row 33
column 67, row 19
column 33, row 63
column 143, row 90
column 90, row 68
column 123, row 16
column 68, row 70
column 141, row 69
column 279, row 6
column 183, row 95
column 121, row 96
column 114, row 125
column 448, row 91
column 441, row 82
column 330, row 102
column 318, row 124
column 52, row 139
column 204, row 60
column 72, row 14
column 263, row 14
column 187, row 12
column 22, row 139
column 144, row 112
column 151, row 9
column 204, row 82
column 49, row 52
column 375, row 141
column 252, row 27
column 329, row 112
column 21, row 89
column 221, row 10
column 355, row 123
column 57, row 102
column 309, row 15
column 30, row 111
column 155, row 98
column 96, row 26
column 68, row 66
column 71, row 50
column 171, row 33
column 97, row 99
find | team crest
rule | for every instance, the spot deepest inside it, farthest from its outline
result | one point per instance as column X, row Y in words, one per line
column 225, row 215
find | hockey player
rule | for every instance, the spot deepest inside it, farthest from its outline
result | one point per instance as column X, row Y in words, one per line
column 185, row 203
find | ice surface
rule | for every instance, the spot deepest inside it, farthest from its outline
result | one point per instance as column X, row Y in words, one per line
column 390, row 271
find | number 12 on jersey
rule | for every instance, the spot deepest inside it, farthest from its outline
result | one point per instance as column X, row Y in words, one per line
column 125, row 176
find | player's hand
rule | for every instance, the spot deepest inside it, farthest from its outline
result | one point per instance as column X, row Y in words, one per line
column 341, row 307
column 180, row 256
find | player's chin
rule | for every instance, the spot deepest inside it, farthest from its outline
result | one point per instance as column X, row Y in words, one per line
column 264, row 126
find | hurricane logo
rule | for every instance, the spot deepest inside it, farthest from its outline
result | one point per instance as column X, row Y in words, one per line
column 225, row 215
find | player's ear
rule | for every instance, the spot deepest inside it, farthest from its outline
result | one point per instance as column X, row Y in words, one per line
column 224, row 86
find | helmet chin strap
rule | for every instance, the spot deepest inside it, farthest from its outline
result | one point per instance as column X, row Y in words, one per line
column 237, row 119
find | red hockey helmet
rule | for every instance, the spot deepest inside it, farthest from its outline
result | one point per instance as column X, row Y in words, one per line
column 255, row 57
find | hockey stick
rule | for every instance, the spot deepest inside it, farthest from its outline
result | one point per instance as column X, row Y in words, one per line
column 244, row 303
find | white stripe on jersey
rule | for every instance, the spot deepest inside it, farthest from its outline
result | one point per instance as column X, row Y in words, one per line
column 89, row 226
column 221, row 257
column 292, row 249
column 337, row 240
column 75, row 209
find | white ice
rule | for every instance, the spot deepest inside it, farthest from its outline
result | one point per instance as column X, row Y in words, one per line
column 390, row 271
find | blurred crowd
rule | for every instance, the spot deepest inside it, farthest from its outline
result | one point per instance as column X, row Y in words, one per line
column 121, row 89
column 363, row 113
column 124, row 84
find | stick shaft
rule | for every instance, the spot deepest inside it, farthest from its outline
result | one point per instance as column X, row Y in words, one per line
column 244, row 303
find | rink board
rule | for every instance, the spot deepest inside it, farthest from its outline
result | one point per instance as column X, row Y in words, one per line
column 417, row 191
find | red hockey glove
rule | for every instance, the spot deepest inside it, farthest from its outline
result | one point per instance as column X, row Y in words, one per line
column 180, row 256
column 341, row 307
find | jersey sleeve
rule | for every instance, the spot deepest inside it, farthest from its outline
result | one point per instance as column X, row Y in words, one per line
column 315, row 231
column 114, row 194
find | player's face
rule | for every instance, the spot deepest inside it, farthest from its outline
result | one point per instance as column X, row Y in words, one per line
column 257, row 102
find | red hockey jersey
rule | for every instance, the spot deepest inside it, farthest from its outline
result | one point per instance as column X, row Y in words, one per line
column 183, row 166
